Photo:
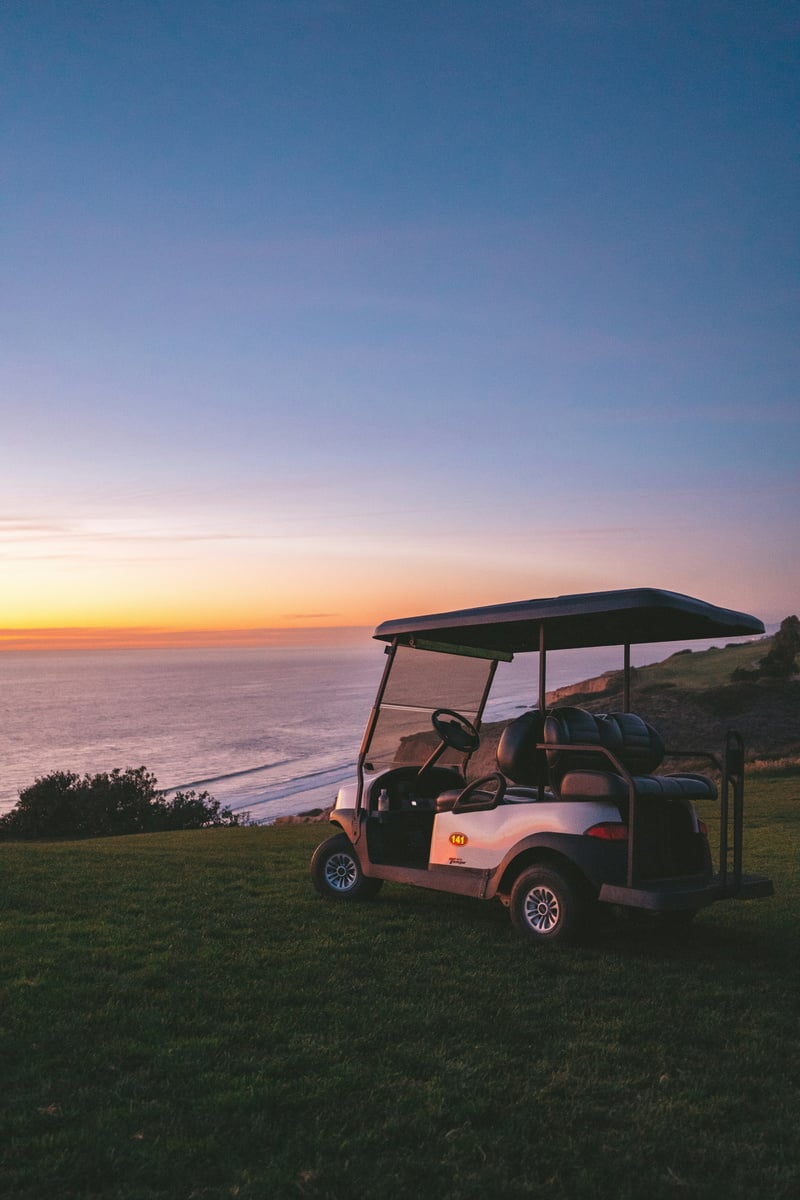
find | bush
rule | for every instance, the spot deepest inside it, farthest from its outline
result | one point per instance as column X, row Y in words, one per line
column 742, row 675
column 62, row 804
column 780, row 662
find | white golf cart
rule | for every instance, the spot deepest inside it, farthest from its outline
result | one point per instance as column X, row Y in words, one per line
column 577, row 812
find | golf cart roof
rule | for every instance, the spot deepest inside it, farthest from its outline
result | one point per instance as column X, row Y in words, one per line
column 617, row 618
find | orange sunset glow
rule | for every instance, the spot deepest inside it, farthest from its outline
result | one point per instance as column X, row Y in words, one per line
column 178, row 589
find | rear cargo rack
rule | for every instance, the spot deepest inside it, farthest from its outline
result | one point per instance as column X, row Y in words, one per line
column 673, row 895
column 734, row 883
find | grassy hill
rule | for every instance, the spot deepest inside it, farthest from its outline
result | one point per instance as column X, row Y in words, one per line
column 691, row 671
column 182, row 1018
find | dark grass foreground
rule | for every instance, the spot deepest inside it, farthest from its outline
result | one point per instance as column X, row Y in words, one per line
column 183, row 1017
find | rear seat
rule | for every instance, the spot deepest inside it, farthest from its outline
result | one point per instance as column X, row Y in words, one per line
column 591, row 775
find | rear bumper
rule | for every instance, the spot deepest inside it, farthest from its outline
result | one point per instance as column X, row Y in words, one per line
column 676, row 895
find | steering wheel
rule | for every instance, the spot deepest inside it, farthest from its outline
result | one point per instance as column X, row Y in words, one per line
column 479, row 785
column 458, row 733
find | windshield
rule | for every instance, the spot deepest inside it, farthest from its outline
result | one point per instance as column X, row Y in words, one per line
column 421, row 681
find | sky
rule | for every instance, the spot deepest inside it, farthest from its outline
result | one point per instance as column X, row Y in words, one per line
column 317, row 313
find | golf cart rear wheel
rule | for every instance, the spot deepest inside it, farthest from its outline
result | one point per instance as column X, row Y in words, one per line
column 336, row 872
column 547, row 907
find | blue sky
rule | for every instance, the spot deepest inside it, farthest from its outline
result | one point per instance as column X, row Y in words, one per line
column 328, row 312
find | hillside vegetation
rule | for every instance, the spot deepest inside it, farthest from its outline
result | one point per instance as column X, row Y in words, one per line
column 690, row 670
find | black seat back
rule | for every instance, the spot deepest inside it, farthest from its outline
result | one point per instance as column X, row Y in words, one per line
column 568, row 727
column 639, row 747
column 517, row 756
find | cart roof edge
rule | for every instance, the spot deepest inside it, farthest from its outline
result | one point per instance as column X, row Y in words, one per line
column 611, row 618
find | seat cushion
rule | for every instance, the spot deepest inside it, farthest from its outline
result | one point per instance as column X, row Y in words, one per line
column 446, row 800
column 605, row 785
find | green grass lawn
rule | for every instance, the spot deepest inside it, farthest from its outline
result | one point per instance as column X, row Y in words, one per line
column 183, row 1017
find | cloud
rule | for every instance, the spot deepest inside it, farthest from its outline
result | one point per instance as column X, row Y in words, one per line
column 32, row 527
column 18, row 533
column 308, row 616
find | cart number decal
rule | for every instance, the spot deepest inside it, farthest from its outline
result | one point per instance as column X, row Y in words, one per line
column 458, row 839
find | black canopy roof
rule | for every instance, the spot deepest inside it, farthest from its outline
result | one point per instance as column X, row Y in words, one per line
column 631, row 616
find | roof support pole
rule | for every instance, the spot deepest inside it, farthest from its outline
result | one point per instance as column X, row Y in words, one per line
column 626, row 680
column 542, row 670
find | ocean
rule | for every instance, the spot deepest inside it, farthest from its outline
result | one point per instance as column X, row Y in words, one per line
column 268, row 731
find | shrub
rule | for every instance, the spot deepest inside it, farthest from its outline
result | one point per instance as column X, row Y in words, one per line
column 742, row 675
column 62, row 804
column 780, row 662
column 191, row 810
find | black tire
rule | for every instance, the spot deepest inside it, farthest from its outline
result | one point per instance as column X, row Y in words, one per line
column 547, row 907
column 336, row 872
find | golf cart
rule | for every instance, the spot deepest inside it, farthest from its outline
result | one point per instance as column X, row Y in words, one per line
column 577, row 813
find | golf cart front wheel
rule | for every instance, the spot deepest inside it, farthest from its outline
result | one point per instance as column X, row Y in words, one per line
column 336, row 872
column 547, row 907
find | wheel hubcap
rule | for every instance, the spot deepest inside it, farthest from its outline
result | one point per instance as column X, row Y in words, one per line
column 542, row 910
column 340, row 872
